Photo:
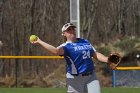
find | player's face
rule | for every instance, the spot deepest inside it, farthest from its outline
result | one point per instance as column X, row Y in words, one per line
column 70, row 30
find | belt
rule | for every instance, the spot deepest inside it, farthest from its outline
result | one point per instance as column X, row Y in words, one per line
column 85, row 74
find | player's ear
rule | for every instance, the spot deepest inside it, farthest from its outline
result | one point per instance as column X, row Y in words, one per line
column 62, row 34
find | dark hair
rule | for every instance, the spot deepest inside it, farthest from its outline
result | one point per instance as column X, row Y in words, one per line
column 64, row 39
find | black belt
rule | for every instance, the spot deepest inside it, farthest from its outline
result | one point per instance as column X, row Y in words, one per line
column 85, row 74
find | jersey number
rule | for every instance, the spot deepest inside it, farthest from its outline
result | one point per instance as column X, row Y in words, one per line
column 86, row 54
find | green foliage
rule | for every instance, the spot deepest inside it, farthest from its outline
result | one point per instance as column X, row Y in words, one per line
column 105, row 50
column 127, row 45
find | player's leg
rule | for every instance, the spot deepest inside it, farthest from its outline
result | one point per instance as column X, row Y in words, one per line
column 75, row 84
column 93, row 85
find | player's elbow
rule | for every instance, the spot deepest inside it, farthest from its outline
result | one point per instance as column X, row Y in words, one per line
column 56, row 52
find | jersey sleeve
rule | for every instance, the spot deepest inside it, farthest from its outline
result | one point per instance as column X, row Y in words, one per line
column 62, row 45
column 94, row 49
column 64, row 48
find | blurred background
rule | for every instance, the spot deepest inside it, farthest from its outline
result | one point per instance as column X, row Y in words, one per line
column 110, row 26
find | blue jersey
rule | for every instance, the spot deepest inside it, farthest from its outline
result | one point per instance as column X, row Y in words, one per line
column 78, row 56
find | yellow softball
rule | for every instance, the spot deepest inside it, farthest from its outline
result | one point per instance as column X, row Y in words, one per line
column 33, row 38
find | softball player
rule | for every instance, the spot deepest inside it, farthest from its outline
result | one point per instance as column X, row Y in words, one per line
column 78, row 53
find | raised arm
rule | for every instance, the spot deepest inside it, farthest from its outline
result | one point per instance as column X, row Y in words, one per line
column 50, row 48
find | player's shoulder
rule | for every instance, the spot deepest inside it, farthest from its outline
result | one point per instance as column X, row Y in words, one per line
column 63, row 44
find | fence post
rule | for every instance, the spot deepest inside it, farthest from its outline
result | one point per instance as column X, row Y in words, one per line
column 114, row 78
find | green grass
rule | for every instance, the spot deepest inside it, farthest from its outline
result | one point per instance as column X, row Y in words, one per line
column 63, row 90
column 32, row 90
column 121, row 90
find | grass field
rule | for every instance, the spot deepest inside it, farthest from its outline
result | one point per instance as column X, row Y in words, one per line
column 63, row 90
